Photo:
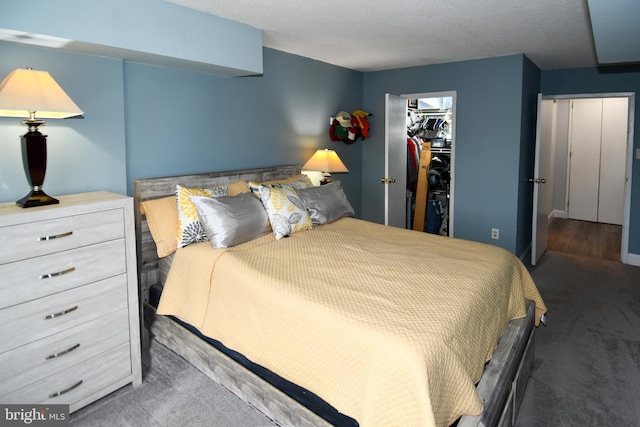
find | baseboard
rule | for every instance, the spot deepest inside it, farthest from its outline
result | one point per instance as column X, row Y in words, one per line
column 634, row 259
column 559, row 214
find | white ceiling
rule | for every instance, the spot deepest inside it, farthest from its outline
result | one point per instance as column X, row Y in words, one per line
column 372, row 35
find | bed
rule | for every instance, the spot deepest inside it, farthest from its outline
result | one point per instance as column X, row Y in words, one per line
column 318, row 355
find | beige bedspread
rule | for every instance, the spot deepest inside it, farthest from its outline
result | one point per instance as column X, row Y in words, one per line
column 391, row 327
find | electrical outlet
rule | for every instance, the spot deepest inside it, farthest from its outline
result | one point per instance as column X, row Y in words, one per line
column 495, row 233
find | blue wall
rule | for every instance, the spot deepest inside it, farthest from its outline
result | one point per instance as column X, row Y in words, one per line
column 186, row 122
column 148, row 121
column 605, row 80
column 490, row 97
column 145, row 121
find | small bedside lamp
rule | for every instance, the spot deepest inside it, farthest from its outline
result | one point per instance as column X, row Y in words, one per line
column 325, row 161
column 25, row 93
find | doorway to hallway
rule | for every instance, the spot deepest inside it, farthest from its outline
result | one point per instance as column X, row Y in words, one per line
column 585, row 238
column 557, row 140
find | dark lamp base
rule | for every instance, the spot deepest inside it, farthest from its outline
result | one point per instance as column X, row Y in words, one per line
column 34, row 158
column 36, row 198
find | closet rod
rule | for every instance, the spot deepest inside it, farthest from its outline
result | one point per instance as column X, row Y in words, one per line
column 433, row 113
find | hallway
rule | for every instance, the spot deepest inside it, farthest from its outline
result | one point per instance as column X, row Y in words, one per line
column 590, row 239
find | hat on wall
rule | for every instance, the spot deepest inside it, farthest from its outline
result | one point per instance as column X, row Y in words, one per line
column 361, row 121
column 344, row 119
column 341, row 132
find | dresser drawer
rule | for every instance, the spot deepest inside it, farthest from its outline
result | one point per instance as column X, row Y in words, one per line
column 24, row 323
column 33, row 362
column 77, row 382
column 34, row 278
column 38, row 238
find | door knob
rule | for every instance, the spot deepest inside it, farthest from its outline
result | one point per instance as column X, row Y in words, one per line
column 388, row 180
column 538, row 180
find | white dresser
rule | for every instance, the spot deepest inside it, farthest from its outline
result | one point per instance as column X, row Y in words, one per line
column 69, row 312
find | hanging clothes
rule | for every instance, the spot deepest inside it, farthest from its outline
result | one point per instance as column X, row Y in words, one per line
column 414, row 145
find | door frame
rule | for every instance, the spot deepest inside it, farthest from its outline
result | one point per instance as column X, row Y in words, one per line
column 452, row 171
column 624, row 250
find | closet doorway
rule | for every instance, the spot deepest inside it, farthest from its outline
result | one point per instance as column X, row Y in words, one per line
column 401, row 113
column 567, row 177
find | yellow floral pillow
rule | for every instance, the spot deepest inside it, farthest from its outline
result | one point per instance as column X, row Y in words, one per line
column 286, row 210
column 297, row 181
column 190, row 230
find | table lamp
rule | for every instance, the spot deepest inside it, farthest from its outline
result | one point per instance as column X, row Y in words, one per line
column 325, row 161
column 36, row 96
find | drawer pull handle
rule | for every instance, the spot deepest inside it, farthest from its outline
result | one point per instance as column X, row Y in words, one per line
column 59, row 273
column 62, row 313
column 57, row 236
column 66, row 390
column 62, row 353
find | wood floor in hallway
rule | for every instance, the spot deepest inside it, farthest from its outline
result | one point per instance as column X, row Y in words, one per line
column 590, row 239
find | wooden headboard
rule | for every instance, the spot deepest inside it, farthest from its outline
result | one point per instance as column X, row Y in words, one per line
column 154, row 188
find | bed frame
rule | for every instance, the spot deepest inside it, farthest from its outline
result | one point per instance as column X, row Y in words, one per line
column 501, row 387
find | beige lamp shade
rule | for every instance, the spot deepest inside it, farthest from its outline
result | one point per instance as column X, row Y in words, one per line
column 26, row 91
column 325, row 161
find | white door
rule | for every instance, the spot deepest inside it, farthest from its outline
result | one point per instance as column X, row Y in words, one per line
column 543, row 177
column 613, row 157
column 584, row 155
column 395, row 161
column 597, row 159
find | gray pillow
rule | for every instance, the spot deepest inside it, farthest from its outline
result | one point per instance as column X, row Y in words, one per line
column 231, row 220
column 326, row 203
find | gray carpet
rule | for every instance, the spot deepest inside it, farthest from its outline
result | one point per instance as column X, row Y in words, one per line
column 586, row 370
column 587, row 362
column 173, row 394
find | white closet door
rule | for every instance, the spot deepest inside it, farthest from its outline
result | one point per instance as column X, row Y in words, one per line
column 584, row 173
column 395, row 167
column 613, row 157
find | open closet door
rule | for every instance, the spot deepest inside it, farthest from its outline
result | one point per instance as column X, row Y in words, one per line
column 542, row 185
column 395, row 161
